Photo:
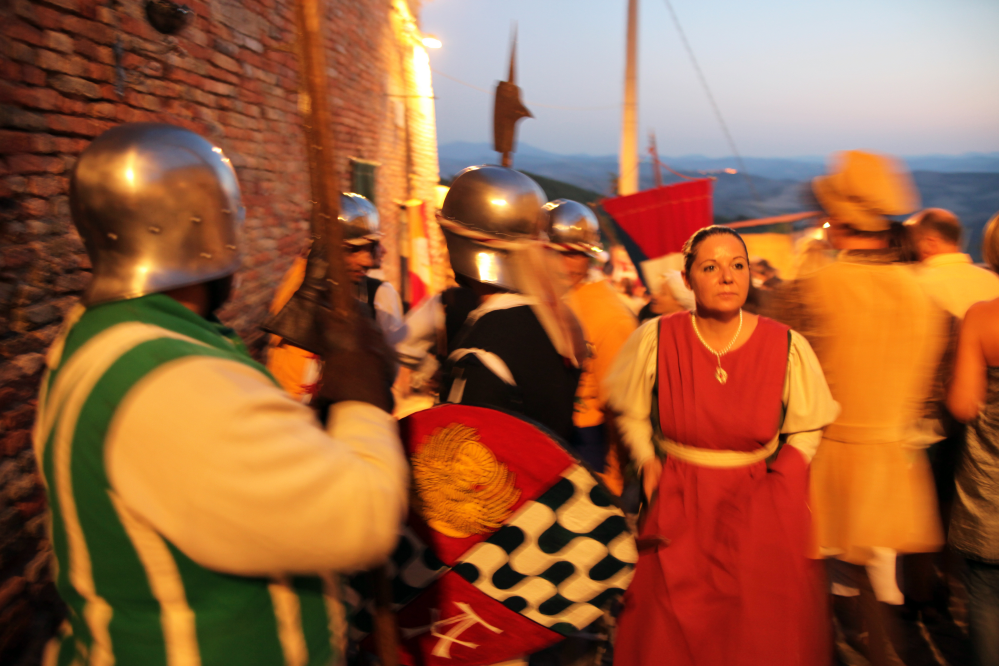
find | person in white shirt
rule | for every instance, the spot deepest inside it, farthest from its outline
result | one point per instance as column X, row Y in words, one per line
column 949, row 276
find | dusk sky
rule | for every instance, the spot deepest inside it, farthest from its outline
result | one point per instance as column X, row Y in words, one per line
column 792, row 77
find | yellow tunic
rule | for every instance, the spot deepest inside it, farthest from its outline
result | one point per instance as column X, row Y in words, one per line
column 606, row 323
column 878, row 337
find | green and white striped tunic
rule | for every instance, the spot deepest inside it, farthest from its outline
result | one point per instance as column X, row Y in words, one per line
column 133, row 596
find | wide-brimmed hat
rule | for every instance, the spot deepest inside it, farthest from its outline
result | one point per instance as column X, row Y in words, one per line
column 863, row 188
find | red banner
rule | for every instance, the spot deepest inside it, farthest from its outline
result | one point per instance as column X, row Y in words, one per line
column 661, row 220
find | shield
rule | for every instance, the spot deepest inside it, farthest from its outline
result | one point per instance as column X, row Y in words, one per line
column 511, row 545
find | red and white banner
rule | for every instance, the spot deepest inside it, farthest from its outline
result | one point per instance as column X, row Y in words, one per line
column 420, row 276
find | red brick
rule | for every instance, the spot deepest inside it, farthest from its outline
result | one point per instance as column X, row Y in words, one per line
column 41, row 16
column 26, row 142
column 35, row 207
column 56, row 62
column 33, row 75
column 45, row 186
column 17, row 51
column 15, row 141
column 106, row 15
column 92, row 51
column 37, row 98
column 71, row 5
column 68, row 145
column 102, row 110
column 139, row 28
column 27, row 163
column 73, row 125
column 225, row 62
column 21, row 31
column 98, row 72
column 72, row 85
column 97, row 32
column 9, row 70
column 58, row 41
column 219, row 88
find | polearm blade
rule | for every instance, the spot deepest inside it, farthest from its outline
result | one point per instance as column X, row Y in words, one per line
column 507, row 110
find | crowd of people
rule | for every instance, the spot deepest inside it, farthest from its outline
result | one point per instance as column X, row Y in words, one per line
column 808, row 452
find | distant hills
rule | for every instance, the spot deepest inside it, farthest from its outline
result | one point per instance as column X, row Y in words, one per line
column 966, row 184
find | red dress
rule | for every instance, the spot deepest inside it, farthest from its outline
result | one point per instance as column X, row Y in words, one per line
column 735, row 585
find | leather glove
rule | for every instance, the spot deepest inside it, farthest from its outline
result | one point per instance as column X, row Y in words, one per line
column 364, row 370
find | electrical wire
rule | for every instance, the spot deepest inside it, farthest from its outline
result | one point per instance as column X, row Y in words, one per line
column 711, row 99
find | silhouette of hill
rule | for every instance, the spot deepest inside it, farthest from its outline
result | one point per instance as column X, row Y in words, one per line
column 966, row 184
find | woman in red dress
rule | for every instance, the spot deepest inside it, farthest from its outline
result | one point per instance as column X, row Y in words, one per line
column 706, row 400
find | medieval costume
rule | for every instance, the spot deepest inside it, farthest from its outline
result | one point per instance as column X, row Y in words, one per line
column 574, row 233
column 520, row 349
column 504, row 359
column 724, row 576
column 196, row 510
column 299, row 370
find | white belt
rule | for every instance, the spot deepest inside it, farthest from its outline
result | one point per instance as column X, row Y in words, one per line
column 719, row 458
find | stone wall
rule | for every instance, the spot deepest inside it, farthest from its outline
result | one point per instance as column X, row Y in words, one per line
column 69, row 69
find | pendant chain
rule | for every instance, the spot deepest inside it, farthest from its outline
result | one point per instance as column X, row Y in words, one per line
column 720, row 374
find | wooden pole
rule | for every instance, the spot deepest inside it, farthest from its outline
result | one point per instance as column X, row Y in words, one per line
column 326, row 197
column 627, row 181
column 314, row 105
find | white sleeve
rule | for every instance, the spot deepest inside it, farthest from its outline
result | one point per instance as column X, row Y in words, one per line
column 242, row 478
column 629, row 385
column 388, row 313
column 808, row 404
column 422, row 325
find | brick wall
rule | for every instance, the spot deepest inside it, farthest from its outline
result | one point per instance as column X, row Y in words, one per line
column 69, row 69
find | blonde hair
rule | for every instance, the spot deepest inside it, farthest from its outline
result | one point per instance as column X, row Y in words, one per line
column 990, row 243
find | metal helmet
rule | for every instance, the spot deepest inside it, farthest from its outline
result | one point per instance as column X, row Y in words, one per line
column 359, row 218
column 158, row 207
column 572, row 227
column 485, row 206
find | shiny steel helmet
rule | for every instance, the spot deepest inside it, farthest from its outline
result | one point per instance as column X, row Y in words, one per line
column 158, row 207
column 487, row 208
column 359, row 218
column 572, row 227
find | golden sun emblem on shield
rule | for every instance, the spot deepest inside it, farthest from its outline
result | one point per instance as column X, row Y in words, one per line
column 460, row 488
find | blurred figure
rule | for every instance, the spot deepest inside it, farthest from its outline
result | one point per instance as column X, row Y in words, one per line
column 948, row 275
column 297, row 370
column 574, row 233
column 632, row 293
column 902, row 241
column 670, row 297
column 879, row 338
column 764, row 275
column 705, row 398
column 954, row 283
column 520, row 349
column 974, row 528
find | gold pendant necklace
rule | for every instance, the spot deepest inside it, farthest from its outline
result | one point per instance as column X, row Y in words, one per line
column 720, row 373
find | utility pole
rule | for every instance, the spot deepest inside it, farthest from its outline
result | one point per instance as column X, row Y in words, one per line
column 627, row 181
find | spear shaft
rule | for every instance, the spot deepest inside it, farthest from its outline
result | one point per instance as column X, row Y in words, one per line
column 319, row 146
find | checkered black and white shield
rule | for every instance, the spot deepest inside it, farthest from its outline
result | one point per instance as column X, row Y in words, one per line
column 511, row 544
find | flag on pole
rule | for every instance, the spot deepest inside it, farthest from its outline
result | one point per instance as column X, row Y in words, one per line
column 661, row 220
column 420, row 279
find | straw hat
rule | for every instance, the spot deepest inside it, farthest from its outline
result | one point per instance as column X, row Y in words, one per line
column 862, row 188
